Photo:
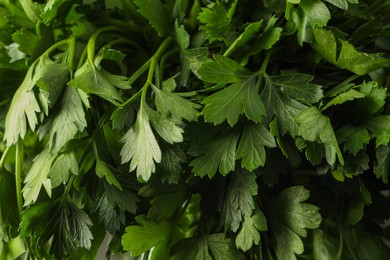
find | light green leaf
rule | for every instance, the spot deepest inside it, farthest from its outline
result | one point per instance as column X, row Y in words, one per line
column 171, row 103
column 298, row 86
column 68, row 121
column 251, row 147
column 37, row 176
column 380, row 128
column 219, row 154
column 325, row 44
column 354, row 137
column 249, row 33
column 239, row 200
column 63, row 166
column 374, row 101
column 141, row 147
column 155, row 12
column 316, row 11
column 103, row 170
column 344, row 97
column 268, row 38
column 23, row 109
column 182, row 37
column 357, row 62
column 139, row 239
column 249, row 233
column 342, row 4
column 315, row 127
column 229, row 103
column 92, row 80
column 166, row 127
column 290, row 219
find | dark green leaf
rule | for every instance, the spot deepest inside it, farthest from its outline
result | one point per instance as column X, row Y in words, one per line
column 155, row 12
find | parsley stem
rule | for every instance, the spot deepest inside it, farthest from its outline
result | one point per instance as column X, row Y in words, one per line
column 154, row 60
column 18, row 174
column 265, row 62
column 92, row 41
column 4, row 156
column 139, row 72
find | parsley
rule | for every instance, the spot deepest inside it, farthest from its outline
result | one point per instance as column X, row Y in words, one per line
column 218, row 129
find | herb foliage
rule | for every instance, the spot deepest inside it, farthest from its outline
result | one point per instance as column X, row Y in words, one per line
column 194, row 129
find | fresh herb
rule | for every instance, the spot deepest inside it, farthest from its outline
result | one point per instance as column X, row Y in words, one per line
column 197, row 129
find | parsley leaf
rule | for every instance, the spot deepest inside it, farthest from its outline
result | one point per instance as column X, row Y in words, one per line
column 171, row 103
column 141, row 147
column 219, row 154
column 239, row 199
column 251, row 147
column 290, row 219
column 249, row 233
column 155, row 12
column 354, row 137
column 315, row 127
column 38, row 176
column 92, row 80
column 381, row 167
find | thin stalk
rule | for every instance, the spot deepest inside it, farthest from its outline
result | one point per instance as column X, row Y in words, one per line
column 18, row 174
column 4, row 156
column 139, row 72
column 92, row 41
column 155, row 59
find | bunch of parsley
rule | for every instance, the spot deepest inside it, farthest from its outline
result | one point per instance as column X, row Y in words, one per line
column 195, row 129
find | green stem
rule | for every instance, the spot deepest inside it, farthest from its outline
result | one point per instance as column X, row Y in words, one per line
column 92, row 41
column 265, row 62
column 132, row 99
column 4, row 156
column 68, row 187
column 18, row 174
column 139, row 72
column 155, row 59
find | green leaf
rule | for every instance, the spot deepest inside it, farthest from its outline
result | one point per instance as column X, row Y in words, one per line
column 139, row 239
column 64, row 224
column 37, row 176
column 249, row 233
column 229, row 103
column 381, row 166
column 63, row 166
column 155, row 12
column 112, row 217
column 125, row 199
column 342, row 4
column 72, row 112
column 344, row 97
column 182, row 37
column 165, row 205
column 374, row 101
column 170, row 167
column 171, row 103
column 223, row 70
column 22, row 110
column 357, row 62
column 290, row 219
column 141, row 147
column 268, row 38
column 315, row 127
column 380, row 128
column 215, row 20
column 251, row 147
column 354, row 137
column 103, row 170
column 166, row 127
column 282, row 106
column 250, row 31
column 213, row 246
column 51, row 9
column 316, row 12
column 219, row 154
column 298, row 86
column 239, row 200
column 92, row 80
